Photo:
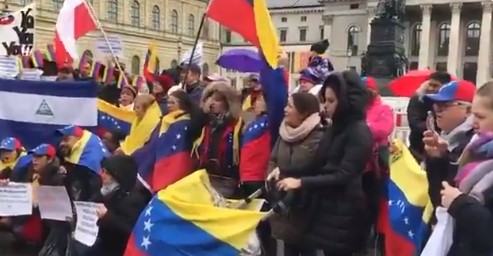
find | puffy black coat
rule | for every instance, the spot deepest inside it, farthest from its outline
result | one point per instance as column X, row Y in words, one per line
column 337, row 222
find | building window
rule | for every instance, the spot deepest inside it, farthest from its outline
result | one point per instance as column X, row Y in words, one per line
column 441, row 66
column 283, row 34
column 87, row 53
column 415, row 40
column 174, row 22
column 413, row 65
column 473, row 33
column 26, row 2
column 135, row 65
column 191, row 25
column 205, row 29
column 57, row 4
column 113, row 10
column 443, row 39
column 174, row 64
column 302, row 34
column 352, row 40
column 303, row 18
column 284, row 19
column 322, row 32
column 470, row 71
column 205, row 70
column 135, row 14
column 156, row 17
column 228, row 36
column 353, row 6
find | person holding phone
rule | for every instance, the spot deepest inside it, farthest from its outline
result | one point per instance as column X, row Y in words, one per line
column 452, row 107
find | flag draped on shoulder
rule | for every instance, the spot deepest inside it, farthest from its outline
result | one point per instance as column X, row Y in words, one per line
column 251, row 20
column 141, row 130
column 166, row 158
column 255, row 148
column 88, row 152
column 111, row 117
column 32, row 111
column 405, row 216
column 74, row 21
column 183, row 219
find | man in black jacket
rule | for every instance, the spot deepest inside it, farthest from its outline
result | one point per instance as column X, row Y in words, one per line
column 417, row 111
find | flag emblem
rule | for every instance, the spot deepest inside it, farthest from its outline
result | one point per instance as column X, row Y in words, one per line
column 44, row 109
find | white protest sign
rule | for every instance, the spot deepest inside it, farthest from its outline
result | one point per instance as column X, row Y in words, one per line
column 86, row 229
column 9, row 66
column 197, row 55
column 32, row 74
column 54, row 203
column 16, row 199
column 17, row 32
column 102, row 47
column 49, row 78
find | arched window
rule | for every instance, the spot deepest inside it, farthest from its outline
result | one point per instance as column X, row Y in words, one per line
column 135, row 14
column 156, row 19
column 473, row 33
column 191, row 25
column 87, row 53
column 135, row 65
column 205, row 29
column 415, row 39
column 205, row 70
column 443, row 39
column 113, row 10
column 57, row 4
column 174, row 64
column 174, row 22
column 352, row 40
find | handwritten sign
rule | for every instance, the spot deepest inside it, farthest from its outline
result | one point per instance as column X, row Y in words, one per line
column 16, row 199
column 17, row 32
column 86, row 228
column 9, row 67
column 103, row 47
column 54, row 203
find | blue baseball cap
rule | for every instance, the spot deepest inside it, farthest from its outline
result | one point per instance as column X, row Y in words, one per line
column 454, row 91
column 43, row 150
column 71, row 130
column 10, row 144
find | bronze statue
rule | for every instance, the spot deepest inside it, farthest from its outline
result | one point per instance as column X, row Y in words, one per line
column 391, row 9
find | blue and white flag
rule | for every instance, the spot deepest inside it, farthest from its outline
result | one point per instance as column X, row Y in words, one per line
column 32, row 111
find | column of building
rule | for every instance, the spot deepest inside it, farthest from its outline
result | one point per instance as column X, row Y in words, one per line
column 424, row 44
column 371, row 16
column 484, row 55
column 453, row 47
column 327, row 21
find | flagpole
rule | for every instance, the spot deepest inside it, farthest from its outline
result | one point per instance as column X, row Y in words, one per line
column 100, row 27
column 197, row 38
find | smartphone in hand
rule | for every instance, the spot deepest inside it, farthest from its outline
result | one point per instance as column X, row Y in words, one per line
column 430, row 122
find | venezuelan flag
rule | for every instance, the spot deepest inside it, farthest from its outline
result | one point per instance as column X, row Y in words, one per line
column 255, row 149
column 37, row 59
column 22, row 161
column 111, row 117
column 408, row 209
column 26, row 61
column 183, row 220
column 108, row 74
column 95, row 68
column 141, row 130
column 50, row 52
column 166, row 158
column 251, row 20
column 83, row 60
column 88, row 152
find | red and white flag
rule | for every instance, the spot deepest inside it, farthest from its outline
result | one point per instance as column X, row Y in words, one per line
column 74, row 21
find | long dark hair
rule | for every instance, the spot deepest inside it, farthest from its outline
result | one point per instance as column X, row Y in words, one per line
column 197, row 117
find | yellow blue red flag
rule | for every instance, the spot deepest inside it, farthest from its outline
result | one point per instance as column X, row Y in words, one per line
column 111, row 117
column 183, row 220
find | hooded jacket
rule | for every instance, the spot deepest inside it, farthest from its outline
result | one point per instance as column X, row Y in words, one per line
column 337, row 202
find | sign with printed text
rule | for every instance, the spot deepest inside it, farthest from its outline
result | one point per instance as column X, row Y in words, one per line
column 16, row 199
column 17, row 32
column 86, row 228
column 103, row 46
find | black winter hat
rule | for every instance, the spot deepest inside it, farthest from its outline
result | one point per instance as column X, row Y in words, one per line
column 123, row 169
column 320, row 47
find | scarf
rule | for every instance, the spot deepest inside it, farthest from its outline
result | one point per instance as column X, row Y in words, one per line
column 291, row 135
column 107, row 189
column 457, row 135
column 475, row 173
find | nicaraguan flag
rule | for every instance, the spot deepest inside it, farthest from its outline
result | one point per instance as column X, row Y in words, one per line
column 32, row 111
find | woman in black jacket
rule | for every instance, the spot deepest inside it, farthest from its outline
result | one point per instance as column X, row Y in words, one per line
column 333, row 188
column 122, row 204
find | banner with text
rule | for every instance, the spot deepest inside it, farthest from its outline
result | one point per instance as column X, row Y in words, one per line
column 17, row 32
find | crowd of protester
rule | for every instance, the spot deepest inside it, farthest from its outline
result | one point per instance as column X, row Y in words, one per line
column 330, row 156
